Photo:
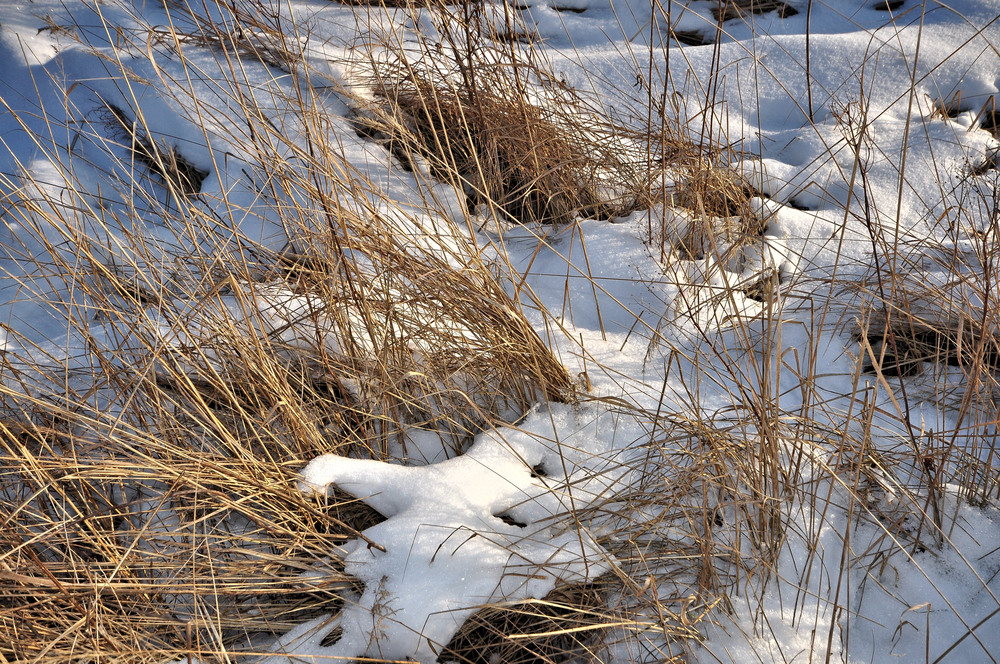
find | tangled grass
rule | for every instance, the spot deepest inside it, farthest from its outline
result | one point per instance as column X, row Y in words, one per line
column 149, row 510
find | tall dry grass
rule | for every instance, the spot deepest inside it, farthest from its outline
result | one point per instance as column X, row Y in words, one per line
column 149, row 509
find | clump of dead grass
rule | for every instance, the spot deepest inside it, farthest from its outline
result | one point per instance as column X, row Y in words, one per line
column 505, row 131
column 568, row 623
column 715, row 198
column 143, row 538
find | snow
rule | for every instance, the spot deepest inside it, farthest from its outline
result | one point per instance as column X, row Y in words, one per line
column 850, row 158
column 446, row 549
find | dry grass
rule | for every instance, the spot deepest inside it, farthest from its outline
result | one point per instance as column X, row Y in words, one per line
column 931, row 323
column 253, row 30
column 911, row 343
column 569, row 622
column 504, row 130
column 149, row 506
column 148, row 509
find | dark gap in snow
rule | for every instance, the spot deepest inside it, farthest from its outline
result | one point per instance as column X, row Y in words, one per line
column 728, row 10
column 160, row 158
column 295, row 266
column 888, row 5
column 471, row 202
column 402, row 157
column 513, row 37
column 951, row 108
column 765, row 287
column 364, row 130
column 986, row 165
column 990, row 122
column 510, row 521
column 366, row 126
column 690, row 37
column 342, row 509
column 908, row 343
column 573, row 10
column 796, row 204
column 564, row 627
column 892, row 369
column 135, row 291
column 538, row 470
column 332, row 637
column 736, row 202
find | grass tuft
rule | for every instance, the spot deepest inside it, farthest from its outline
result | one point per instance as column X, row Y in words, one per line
column 484, row 131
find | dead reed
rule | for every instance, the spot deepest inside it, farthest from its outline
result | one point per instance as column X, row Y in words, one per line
column 149, row 510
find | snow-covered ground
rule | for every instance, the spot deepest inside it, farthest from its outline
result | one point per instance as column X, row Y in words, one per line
column 867, row 137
